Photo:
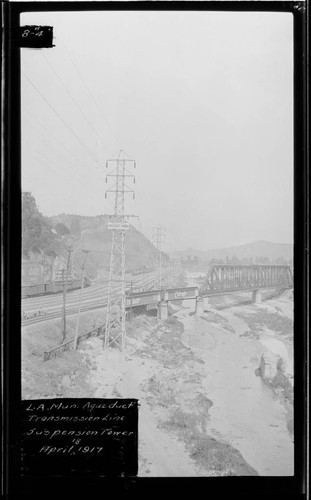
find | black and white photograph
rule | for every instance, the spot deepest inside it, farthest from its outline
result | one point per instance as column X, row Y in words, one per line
column 157, row 229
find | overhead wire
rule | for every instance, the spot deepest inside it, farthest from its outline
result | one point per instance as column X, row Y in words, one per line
column 56, row 196
column 64, row 122
column 73, row 99
column 130, row 254
column 52, row 135
column 55, row 149
column 51, row 193
column 64, row 172
column 85, row 180
column 88, row 90
column 53, row 165
column 99, row 171
column 60, row 117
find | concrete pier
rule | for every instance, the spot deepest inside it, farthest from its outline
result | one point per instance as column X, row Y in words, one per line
column 163, row 310
column 256, row 296
column 207, row 305
column 268, row 367
column 199, row 306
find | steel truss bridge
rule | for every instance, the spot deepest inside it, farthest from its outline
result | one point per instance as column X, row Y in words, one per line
column 220, row 280
column 227, row 278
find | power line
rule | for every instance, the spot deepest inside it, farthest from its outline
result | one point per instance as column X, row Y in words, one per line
column 65, row 286
column 86, row 177
column 129, row 254
column 60, row 117
column 73, row 100
column 67, row 126
column 54, row 195
column 158, row 238
column 59, row 152
column 70, row 177
column 109, row 253
column 52, row 135
column 80, row 299
column 85, row 180
column 91, row 95
column 53, row 165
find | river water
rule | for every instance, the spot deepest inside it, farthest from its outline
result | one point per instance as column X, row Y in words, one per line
column 245, row 412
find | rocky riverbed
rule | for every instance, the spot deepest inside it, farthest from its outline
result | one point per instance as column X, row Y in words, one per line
column 204, row 408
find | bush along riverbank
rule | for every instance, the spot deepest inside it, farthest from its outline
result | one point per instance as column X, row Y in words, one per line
column 278, row 381
column 274, row 327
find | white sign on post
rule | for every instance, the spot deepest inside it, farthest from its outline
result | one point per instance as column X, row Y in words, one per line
column 118, row 225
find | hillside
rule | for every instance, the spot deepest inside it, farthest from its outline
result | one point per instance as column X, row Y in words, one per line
column 91, row 233
column 46, row 239
column 257, row 249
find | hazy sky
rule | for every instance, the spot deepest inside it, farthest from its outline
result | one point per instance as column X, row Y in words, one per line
column 202, row 100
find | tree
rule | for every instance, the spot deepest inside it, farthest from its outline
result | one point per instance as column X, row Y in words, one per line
column 61, row 229
column 280, row 261
column 75, row 227
column 234, row 260
column 31, row 224
column 37, row 234
column 50, row 242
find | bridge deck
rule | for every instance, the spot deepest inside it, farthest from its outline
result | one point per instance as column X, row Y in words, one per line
column 187, row 293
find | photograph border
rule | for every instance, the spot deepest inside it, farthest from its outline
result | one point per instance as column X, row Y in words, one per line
column 245, row 487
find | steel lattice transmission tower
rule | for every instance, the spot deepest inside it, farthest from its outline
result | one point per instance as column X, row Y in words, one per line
column 158, row 239
column 115, row 319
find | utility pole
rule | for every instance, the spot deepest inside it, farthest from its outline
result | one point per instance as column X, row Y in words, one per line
column 158, row 238
column 80, row 298
column 115, row 319
column 64, row 307
column 65, row 286
column 131, row 292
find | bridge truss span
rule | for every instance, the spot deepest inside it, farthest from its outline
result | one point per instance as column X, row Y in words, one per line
column 230, row 278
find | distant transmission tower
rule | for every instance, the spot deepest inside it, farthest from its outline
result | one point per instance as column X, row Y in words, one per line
column 115, row 319
column 158, row 239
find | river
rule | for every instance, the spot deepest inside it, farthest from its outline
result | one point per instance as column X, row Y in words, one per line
column 245, row 412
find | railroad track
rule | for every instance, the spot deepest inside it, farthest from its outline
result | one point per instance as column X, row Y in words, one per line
column 37, row 313
column 57, row 315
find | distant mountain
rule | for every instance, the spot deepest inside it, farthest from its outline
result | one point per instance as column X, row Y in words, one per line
column 256, row 249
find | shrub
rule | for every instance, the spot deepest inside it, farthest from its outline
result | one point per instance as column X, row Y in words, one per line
column 180, row 420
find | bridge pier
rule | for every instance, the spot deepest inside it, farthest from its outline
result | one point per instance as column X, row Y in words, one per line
column 163, row 310
column 199, row 306
column 256, row 296
column 207, row 305
column 268, row 367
